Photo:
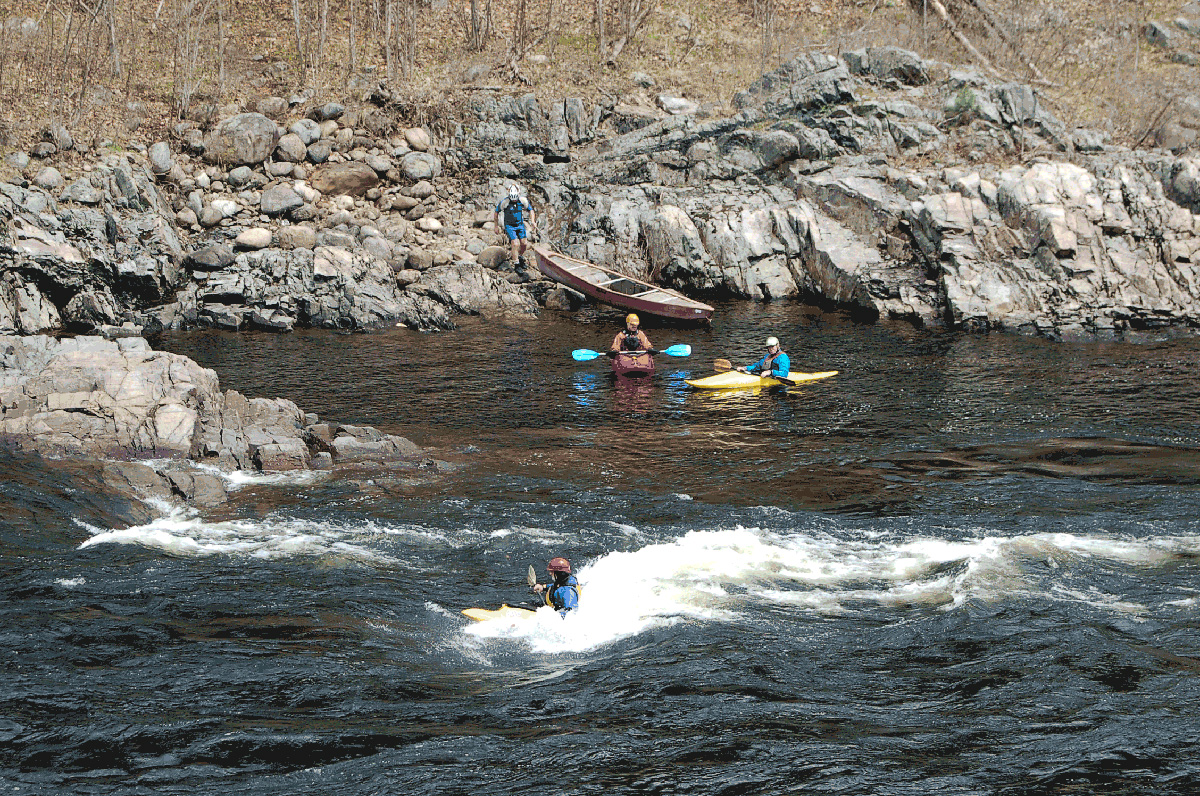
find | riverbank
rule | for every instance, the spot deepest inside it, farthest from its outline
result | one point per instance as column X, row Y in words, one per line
column 821, row 187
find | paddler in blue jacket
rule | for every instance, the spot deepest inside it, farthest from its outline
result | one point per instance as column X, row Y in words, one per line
column 775, row 363
column 563, row 592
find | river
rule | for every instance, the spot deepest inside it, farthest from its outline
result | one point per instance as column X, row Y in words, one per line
column 964, row 565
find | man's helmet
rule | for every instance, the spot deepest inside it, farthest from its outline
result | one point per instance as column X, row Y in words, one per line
column 514, row 192
column 559, row 565
column 772, row 341
column 632, row 318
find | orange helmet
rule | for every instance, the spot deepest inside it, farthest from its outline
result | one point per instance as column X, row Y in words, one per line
column 559, row 565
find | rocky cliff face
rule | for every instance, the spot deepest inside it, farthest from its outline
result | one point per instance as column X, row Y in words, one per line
column 811, row 191
column 817, row 187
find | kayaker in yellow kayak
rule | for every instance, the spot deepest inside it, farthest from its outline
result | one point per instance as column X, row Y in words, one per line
column 563, row 592
column 775, row 363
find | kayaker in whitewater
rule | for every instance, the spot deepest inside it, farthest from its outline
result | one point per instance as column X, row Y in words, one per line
column 563, row 591
column 631, row 338
column 775, row 363
column 516, row 209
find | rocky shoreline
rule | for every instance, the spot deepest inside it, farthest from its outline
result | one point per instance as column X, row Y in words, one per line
column 817, row 188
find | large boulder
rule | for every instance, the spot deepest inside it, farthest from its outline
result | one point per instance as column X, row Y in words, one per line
column 350, row 179
column 243, row 140
column 420, row 166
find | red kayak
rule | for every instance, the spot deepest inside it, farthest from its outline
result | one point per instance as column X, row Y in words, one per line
column 637, row 365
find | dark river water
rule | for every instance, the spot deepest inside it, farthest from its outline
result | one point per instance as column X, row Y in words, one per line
column 964, row 565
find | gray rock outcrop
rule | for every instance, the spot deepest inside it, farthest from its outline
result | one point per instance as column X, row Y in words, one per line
column 94, row 398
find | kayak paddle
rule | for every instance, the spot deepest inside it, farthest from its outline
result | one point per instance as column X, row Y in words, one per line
column 586, row 354
column 531, row 577
column 723, row 365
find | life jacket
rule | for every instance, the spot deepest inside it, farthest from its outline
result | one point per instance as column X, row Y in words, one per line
column 514, row 212
column 550, row 591
column 632, row 341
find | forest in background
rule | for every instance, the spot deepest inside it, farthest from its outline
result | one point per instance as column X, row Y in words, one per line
column 123, row 71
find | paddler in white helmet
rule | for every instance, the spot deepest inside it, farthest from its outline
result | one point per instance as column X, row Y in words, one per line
column 774, row 363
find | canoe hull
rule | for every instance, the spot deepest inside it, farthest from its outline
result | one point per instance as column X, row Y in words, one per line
column 735, row 380
column 619, row 290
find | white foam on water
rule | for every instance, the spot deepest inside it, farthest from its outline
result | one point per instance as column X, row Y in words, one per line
column 719, row 575
column 236, row 479
column 70, row 583
column 182, row 532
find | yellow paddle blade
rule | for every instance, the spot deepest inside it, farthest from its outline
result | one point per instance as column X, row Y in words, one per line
column 722, row 365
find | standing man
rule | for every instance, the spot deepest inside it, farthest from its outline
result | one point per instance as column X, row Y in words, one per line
column 515, row 208
column 775, row 363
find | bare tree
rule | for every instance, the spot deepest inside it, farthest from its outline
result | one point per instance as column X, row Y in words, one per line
column 300, row 54
column 602, row 48
column 353, row 37
column 631, row 16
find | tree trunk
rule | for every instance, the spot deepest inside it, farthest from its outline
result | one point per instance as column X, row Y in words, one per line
column 353, row 38
column 299, row 35
column 603, row 47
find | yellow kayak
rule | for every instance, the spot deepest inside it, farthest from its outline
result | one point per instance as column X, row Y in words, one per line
column 503, row 612
column 735, row 380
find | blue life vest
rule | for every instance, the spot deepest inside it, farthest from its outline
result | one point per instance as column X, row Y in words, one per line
column 565, row 597
column 513, row 212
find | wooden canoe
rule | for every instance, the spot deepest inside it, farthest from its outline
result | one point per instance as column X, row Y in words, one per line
column 622, row 291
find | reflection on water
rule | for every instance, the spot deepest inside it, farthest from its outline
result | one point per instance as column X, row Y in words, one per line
column 512, row 390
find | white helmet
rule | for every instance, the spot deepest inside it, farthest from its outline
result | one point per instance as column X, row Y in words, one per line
column 772, row 341
column 514, row 192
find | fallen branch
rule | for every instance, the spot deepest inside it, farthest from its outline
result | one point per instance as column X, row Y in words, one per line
column 990, row 18
column 958, row 35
